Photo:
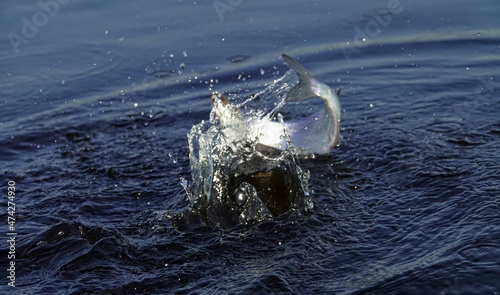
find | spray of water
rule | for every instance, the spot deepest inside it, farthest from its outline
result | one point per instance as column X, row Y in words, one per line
column 236, row 181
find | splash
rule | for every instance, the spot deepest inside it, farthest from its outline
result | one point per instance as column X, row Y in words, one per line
column 234, row 179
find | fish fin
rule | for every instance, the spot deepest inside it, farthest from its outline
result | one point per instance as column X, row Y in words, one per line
column 339, row 90
column 303, row 89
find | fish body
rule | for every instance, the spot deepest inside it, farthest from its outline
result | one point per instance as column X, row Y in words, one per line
column 315, row 134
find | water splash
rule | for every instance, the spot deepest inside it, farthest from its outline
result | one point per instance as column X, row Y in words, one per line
column 236, row 181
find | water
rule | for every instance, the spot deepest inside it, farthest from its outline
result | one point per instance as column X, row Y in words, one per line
column 236, row 179
column 96, row 106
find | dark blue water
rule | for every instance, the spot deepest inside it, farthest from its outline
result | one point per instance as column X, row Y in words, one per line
column 97, row 98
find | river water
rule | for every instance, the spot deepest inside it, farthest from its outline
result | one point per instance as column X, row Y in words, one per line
column 97, row 99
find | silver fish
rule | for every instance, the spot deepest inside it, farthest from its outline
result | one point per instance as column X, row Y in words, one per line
column 315, row 134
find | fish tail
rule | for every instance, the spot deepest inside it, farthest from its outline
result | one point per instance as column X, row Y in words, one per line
column 303, row 90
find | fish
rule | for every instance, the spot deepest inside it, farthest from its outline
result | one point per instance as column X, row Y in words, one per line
column 243, row 160
column 317, row 134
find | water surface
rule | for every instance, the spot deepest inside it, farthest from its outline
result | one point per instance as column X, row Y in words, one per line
column 96, row 106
